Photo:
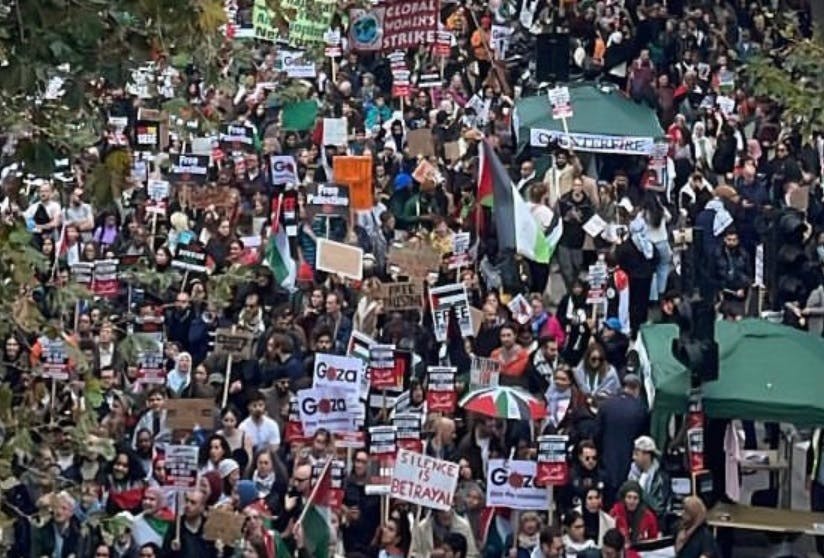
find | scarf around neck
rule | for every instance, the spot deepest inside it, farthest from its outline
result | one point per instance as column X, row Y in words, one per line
column 638, row 234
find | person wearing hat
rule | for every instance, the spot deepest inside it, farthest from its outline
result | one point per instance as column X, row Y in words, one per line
column 401, row 194
column 614, row 341
column 646, row 469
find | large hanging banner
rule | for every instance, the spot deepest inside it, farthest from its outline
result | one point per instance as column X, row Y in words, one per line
column 265, row 27
column 596, row 143
column 311, row 20
column 409, row 24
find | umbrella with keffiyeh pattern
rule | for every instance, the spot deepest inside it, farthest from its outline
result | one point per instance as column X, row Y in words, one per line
column 504, row 402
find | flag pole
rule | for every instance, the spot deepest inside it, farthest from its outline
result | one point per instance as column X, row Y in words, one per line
column 314, row 492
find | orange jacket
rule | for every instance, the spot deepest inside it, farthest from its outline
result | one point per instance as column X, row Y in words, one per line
column 516, row 366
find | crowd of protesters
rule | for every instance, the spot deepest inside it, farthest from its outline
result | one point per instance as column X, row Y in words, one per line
column 726, row 171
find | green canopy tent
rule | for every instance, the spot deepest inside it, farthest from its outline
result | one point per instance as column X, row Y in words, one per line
column 603, row 121
column 767, row 372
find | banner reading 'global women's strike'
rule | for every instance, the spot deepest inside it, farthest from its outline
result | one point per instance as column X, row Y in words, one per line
column 410, row 24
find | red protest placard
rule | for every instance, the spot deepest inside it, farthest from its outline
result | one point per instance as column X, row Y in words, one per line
column 386, row 371
column 552, row 469
column 440, row 391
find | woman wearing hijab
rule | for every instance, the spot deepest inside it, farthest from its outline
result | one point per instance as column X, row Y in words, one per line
column 179, row 378
column 633, row 518
column 694, row 538
column 563, row 398
column 636, row 256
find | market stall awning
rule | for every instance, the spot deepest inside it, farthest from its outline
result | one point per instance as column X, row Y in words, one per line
column 768, row 372
column 603, row 121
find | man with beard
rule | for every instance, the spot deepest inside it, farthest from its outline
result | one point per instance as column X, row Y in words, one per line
column 585, row 473
column 558, row 178
column 542, row 365
column 263, row 430
column 322, row 342
column 179, row 320
column 79, row 214
column 289, row 366
column 336, row 321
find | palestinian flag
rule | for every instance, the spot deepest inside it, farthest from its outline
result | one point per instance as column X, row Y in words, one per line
column 556, row 229
column 152, row 528
column 278, row 253
column 496, row 528
column 516, row 228
column 315, row 519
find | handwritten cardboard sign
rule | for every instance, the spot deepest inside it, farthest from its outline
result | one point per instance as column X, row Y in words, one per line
column 335, row 257
column 414, row 261
column 223, row 525
column 238, row 344
column 201, row 198
column 402, row 296
column 420, row 142
column 186, row 414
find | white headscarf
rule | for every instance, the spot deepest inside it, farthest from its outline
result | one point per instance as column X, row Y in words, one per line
column 722, row 218
column 638, row 234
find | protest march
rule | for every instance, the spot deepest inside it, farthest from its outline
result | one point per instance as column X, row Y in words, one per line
column 411, row 278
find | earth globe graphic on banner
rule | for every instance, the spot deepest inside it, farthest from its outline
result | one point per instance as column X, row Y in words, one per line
column 367, row 29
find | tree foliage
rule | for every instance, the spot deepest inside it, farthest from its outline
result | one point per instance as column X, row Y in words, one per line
column 87, row 43
column 793, row 75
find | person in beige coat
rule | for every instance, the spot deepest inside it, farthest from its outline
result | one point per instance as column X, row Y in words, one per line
column 447, row 522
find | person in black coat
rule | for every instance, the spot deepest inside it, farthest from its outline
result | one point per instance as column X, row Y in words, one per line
column 731, row 269
column 361, row 511
column 584, row 473
column 636, row 256
column 621, row 419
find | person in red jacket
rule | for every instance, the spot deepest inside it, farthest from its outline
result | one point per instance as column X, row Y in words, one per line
column 633, row 518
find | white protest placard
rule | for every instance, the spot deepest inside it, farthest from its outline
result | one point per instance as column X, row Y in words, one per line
column 561, row 103
column 54, row 359
column 158, row 192
column 484, row 372
column 284, row 170
column 726, row 104
column 500, row 39
column 341, row 374
column 336, row 257
column 511, row 484
column 521, row 309
column 296, row 64
column 595, row 226
column 597, row 277
column 443, row 299
column 460, row 251
column 759, row 267
column 423, row 480
column 181, row 466
column 481, row 108
column 335, row 411
column 334, row 131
